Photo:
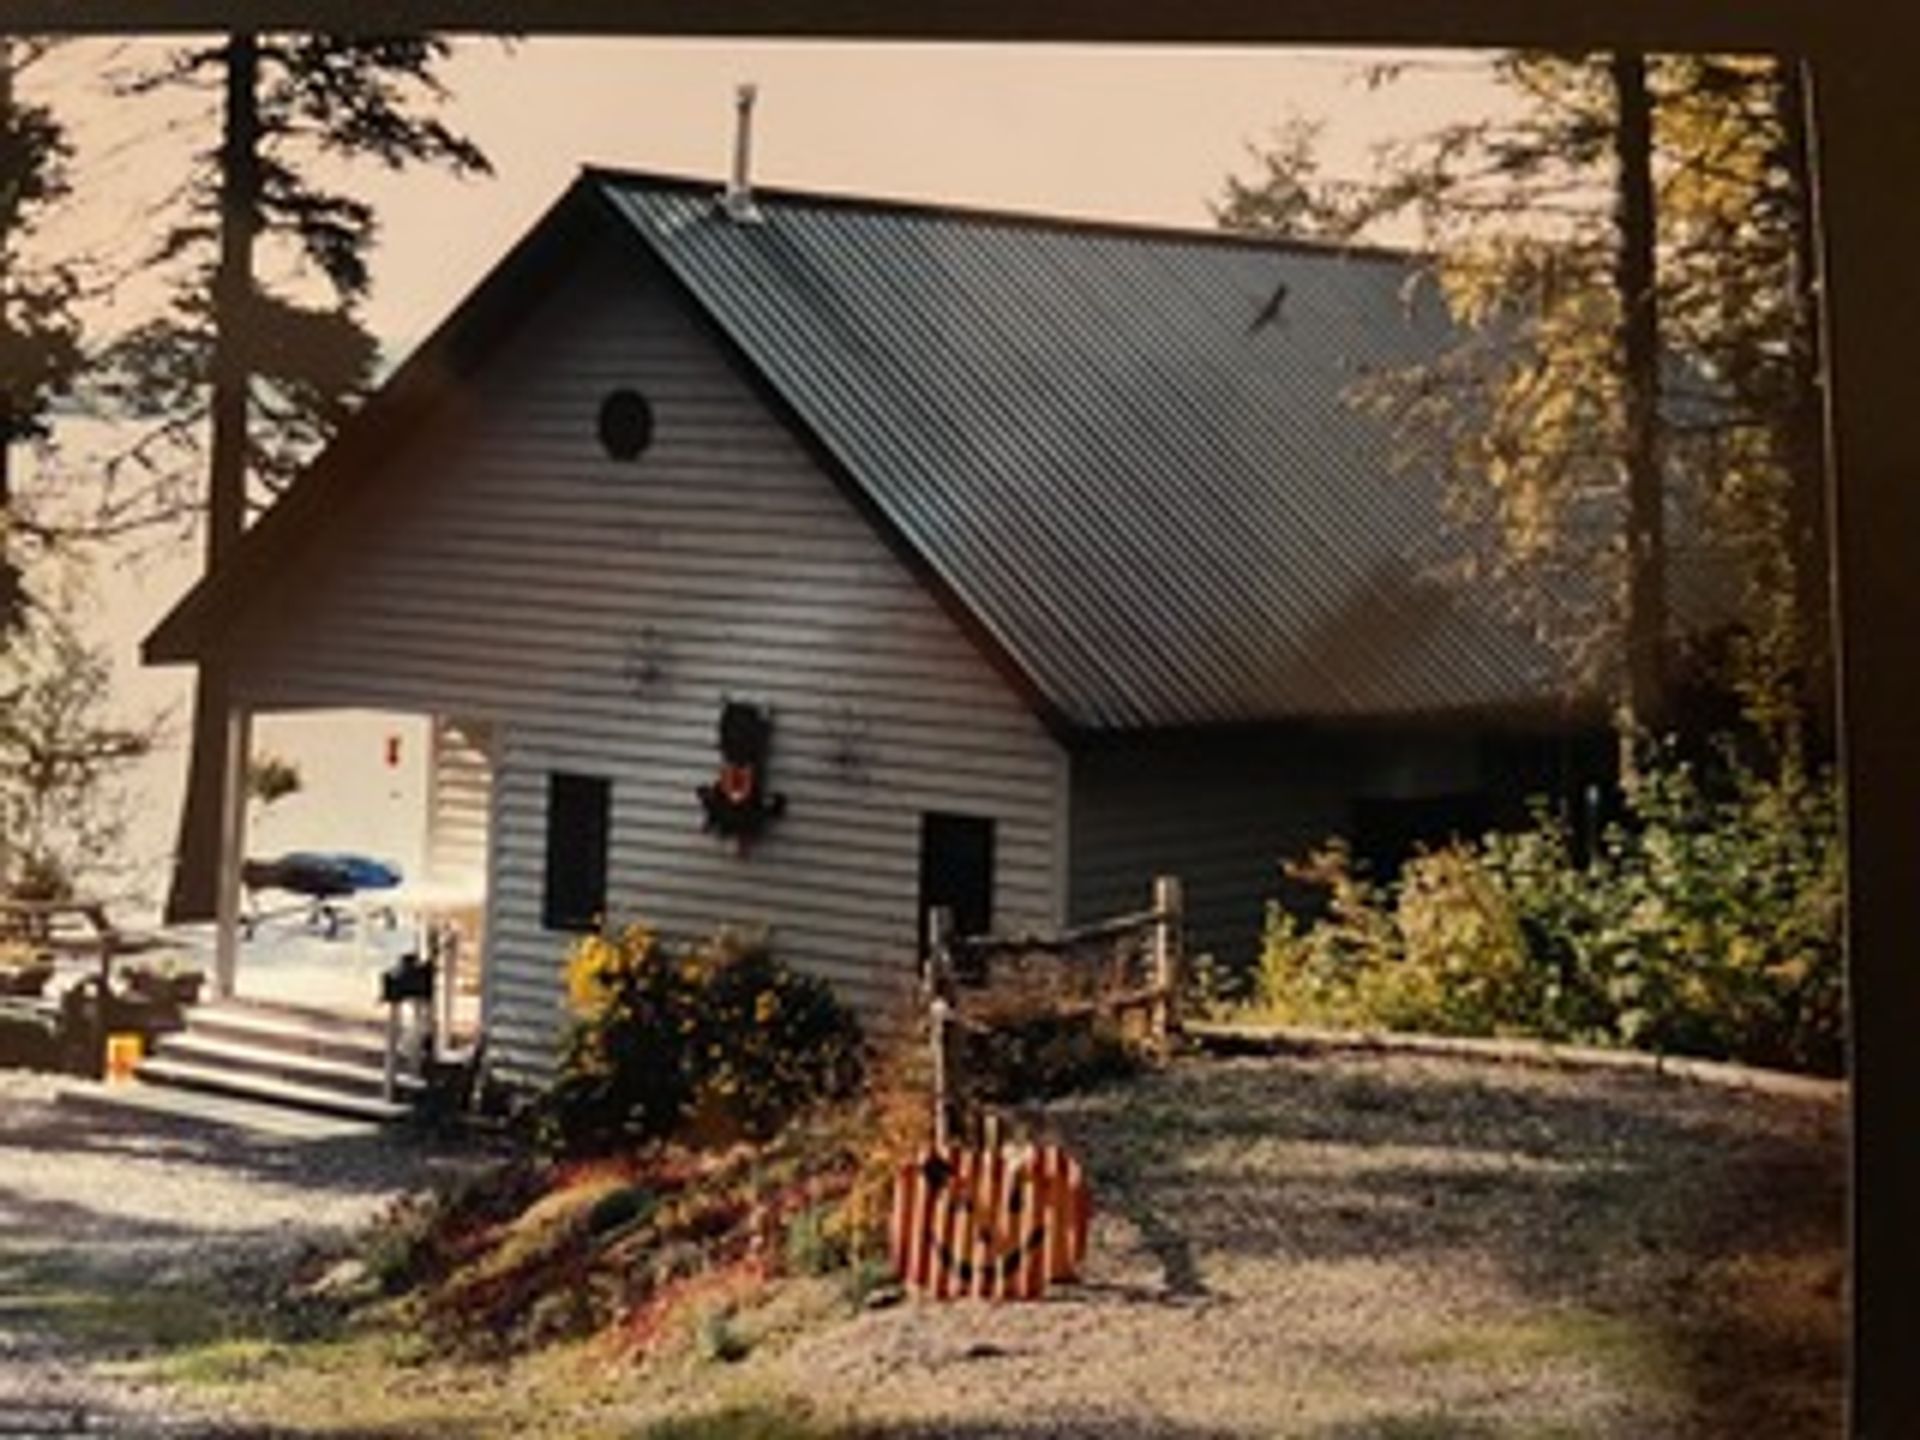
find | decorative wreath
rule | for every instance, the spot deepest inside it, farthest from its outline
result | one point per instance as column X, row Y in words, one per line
column 738, row 804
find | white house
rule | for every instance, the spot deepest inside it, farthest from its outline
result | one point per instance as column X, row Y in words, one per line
column 1050, row 550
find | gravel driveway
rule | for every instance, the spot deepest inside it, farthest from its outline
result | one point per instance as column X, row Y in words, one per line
column 102, row 1209
column 1332, row 1246
column 1404, row 1247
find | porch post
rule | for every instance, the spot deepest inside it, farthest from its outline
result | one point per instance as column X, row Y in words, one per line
column 233, row 839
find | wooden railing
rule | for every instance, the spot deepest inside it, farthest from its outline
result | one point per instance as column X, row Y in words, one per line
column 1121, row 969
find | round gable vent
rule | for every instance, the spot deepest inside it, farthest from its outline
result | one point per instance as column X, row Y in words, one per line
column 626, row 424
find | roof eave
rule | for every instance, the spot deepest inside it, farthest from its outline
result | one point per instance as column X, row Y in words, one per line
column 194, row 628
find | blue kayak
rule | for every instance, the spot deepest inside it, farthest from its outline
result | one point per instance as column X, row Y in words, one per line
column 323, row 875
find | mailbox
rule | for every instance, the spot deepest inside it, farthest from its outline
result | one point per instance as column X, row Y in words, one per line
column 410, row 979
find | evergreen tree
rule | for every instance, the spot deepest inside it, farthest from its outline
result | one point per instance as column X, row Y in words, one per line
column 63, row 760
column 265, row 374
column 40, row 351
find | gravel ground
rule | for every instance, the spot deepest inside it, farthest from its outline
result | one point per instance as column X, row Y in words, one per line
column 1359, row 1245
column 102, row 1210
column 1333, row 1246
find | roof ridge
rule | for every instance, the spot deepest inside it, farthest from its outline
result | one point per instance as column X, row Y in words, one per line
column 1032, row 219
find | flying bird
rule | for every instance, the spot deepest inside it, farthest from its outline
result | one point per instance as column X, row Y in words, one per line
column 1270, row 311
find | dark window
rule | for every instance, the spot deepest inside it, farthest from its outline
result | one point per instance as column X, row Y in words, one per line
column 578, row 810
column 626, row 424
column 1388, row 833
column 956, row 870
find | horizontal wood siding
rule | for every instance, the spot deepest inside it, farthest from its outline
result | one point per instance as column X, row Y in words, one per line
column 460, row 796
column 1225, row 812
column 1218, row 813
column 596, row 614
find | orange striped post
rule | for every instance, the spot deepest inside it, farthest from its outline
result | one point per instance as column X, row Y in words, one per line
column 996, row 1224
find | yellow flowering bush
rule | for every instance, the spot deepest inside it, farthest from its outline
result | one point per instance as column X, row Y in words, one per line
column 716, row 1037
column 601, row 966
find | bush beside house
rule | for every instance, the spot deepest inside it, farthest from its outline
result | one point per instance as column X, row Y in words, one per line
column 708, row 1127
column 717, row 1038
column 1706, row 922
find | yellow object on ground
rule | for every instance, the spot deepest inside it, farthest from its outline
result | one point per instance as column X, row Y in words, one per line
column 123, row 1054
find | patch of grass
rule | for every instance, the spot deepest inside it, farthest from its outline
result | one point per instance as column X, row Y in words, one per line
column 1430, row 1424
column 1425, row 1425
column 720, row 1340
column 164, row 1319
column 742, row 1422
column 221, row 1362
column 1630, row 1352
column 381, row 1381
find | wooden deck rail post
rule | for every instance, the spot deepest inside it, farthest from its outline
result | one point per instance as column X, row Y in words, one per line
column 1166, row 960
column 233, row 839
column 939, row 981
column 105, row 936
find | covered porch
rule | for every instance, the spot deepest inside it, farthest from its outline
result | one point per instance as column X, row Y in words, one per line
column 387, row 832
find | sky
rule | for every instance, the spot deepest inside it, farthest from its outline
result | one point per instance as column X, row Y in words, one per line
column 1111, row 132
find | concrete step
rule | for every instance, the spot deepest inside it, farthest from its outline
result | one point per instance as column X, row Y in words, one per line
column 319, row 1017
column 252, row 1085
column 363, row 1074
column 144, row 1106
column 348, row 1039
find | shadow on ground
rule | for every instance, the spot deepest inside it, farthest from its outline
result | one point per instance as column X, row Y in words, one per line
column 347, row 1162
column 756, row 1422
column 1711, row 1220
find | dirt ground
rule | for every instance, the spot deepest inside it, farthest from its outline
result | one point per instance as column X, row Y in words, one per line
column 1331, row 1246
column 1386, row 1245
column 126, row 1237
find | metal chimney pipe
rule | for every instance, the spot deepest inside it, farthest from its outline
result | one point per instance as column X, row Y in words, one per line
column 739, row 196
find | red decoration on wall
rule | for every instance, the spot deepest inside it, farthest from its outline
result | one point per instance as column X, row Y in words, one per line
column 738, row 804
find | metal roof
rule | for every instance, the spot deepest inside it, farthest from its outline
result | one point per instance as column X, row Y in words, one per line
column 1124, row 457
column 1162, row 508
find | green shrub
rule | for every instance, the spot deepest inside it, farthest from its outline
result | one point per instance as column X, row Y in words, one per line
column 1707, row 923
column 717, row 1040
column 618, row 1209
column 718, row 1340
column 740, row 1422
column 814, row 1245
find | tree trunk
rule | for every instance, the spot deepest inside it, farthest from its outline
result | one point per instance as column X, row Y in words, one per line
column 194, row 891
column 1805, row 432
column 1645, row 602
column 12, row 594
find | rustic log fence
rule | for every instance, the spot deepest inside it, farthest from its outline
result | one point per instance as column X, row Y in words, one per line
column 1125, row 970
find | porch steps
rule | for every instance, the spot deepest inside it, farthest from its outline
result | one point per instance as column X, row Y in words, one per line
column 148, row 1106
column 291, row 1030
column 278, row 1054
